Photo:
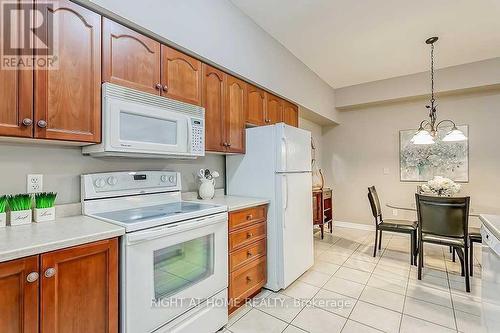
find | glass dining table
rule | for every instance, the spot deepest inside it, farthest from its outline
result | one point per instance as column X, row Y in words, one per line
column 412, row 208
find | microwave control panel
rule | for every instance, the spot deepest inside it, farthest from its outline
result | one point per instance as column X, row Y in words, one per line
column 197, row 137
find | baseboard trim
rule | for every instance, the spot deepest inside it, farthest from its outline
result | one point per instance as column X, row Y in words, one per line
column 353, row 225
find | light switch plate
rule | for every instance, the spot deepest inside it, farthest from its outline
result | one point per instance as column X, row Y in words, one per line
column 34, row 183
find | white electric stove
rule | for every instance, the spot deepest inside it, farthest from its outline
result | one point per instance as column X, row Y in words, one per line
column 173, row 260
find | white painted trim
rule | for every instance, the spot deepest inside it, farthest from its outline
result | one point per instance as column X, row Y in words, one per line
column 353, row 225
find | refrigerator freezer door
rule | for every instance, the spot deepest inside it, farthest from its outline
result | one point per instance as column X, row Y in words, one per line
column 294, row 149
column 295, row 216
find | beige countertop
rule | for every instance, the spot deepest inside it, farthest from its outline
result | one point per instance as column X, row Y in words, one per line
column 492, row 222
column 35, row 238
column 231, row 201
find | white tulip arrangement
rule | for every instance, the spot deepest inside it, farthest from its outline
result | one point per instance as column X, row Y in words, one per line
column 441, row 186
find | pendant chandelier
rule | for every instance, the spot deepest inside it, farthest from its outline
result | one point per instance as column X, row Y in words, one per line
column 427, row 132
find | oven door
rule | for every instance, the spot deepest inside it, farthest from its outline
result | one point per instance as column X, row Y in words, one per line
column 137, row 128
column 170, row 269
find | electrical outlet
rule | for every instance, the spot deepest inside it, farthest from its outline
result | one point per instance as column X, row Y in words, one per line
column 394, row 212
column 386, row 171
column 34, row 183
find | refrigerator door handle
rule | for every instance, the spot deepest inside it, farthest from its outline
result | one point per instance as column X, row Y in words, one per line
column 285, row 205
column 285, row 155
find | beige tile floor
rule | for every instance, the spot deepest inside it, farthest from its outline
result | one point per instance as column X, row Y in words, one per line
column 349, row 291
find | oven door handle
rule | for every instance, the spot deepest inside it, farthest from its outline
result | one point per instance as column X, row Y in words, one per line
column 144, row 236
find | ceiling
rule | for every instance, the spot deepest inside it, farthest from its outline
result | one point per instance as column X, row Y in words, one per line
column 348, row 42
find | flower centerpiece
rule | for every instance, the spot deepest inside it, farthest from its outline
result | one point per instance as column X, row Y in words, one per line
column 3, row 206
column 20, row 209
column 44, row 207
column 441, row 186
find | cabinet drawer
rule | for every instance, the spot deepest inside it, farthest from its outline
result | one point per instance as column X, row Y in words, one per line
column 247, row 254
column 245, row 217
column 247, row 280
column 246, row 236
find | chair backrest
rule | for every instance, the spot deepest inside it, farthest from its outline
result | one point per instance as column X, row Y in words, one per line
column 375, row 204
column 443, row 216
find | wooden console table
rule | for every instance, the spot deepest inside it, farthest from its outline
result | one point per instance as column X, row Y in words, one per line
column 323, row 209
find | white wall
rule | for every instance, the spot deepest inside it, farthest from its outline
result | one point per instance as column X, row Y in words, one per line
column 367, row 141
column 472, row 76
column 62, row 167
column 218, row 31
column 316, row 133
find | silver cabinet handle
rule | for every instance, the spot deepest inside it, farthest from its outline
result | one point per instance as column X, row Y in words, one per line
column 165, row 88
column 229, row 145
column 32, row 277
column 50, row 272
column 42, row 123
column 27, row 122
column 158, row 86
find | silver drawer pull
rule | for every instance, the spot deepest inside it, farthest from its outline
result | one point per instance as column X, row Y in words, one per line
column 50, row 272
column 32, row 277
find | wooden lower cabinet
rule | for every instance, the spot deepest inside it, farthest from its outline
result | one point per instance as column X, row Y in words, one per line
column 70, row 290
column 19, row 295
column 82, row 294
column 247, row 254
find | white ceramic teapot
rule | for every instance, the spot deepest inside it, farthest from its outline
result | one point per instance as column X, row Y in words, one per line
column 207, row 183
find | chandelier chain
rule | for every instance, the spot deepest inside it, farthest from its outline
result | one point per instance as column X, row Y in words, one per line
column 432, row 74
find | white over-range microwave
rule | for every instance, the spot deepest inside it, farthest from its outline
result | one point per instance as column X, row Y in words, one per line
column 139, row 124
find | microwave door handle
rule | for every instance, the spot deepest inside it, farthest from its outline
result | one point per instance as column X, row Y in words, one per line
column 190, row 134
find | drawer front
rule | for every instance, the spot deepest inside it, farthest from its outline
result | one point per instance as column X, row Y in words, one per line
column 246, row 236
column 246, row 217
column 245, row 255
column 247, row 280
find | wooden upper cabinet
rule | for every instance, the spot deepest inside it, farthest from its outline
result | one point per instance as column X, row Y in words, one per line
column 234, row 115
column 68, row 97
column 130, row 58
column 19, row 295
column 290, row 114
column 79, row 289
column 274, row 110
column 214, row 82
column 16, row 95
column 180, row 76
column 256, row 110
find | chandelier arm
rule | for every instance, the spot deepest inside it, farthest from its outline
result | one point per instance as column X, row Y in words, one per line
column 423, row 124
column 447, row 120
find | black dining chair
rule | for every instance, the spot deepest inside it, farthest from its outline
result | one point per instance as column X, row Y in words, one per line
column 400, row 226
column 444, row 221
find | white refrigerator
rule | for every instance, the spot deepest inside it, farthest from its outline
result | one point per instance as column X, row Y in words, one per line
column 277, row 166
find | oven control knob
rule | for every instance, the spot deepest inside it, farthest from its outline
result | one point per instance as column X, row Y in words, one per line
column 99, row 182
column 171, row 179
column 111, row 180
column 163, row 178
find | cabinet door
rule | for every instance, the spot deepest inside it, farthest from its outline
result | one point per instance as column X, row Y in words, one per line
column 79, row 289
column 256, row 109
column 290, row 114
column 234, row 120
column 274, row 112
column 180, row 76
column 16, row 95
column 19, row 295
column 214, row 82
column 68, row 97
column 129, row 58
